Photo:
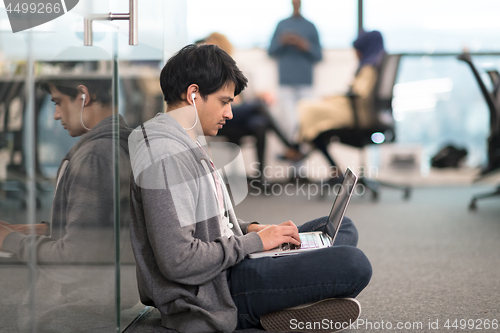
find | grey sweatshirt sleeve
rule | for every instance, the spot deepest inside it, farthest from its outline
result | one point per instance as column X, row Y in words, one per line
column 180, row 255
column 244, row 225
column 88, row 232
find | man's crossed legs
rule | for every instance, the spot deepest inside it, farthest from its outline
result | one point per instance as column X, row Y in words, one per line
column 265, row 285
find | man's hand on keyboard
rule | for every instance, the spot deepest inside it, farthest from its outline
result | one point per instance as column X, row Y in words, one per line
column 275, row 235
column 289, row 246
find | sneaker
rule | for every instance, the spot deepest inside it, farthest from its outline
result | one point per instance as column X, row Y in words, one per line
column 329, row 315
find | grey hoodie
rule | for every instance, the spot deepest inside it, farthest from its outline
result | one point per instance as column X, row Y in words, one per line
column 181, row 256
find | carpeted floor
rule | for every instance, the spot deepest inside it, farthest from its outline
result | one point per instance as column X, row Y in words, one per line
column 433, row 261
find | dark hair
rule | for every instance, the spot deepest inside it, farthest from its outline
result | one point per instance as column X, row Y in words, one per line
column 371, row 46
column 205, row 65
column 99, row 89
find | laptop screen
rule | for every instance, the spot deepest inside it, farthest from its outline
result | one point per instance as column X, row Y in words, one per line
column 341, row 201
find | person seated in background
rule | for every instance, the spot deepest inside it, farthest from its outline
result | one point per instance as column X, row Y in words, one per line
column 334, row 112
column 75, row 250
column 251, row 116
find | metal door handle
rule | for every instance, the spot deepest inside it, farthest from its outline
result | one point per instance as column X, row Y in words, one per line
column 133, row 30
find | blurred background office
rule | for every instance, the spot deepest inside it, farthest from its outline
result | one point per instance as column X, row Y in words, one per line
column 435, row 102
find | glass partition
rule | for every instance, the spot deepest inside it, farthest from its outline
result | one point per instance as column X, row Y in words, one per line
column 15, row 278
column 65, row 114
column 69, row 259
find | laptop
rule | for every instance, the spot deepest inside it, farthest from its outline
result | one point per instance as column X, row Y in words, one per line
column 319, row 239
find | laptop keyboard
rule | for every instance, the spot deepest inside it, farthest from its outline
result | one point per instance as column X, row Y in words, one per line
column 308, row 242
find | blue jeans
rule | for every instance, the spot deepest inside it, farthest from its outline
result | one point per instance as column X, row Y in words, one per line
column 260, row 286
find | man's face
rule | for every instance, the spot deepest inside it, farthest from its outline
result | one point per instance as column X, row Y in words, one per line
column 215, row 110
column 68, row 111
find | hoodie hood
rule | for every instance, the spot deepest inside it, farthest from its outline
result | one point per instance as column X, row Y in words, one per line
column 158, row 139
column 163, row 155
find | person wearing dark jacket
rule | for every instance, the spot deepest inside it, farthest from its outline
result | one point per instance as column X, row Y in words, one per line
column 71, row 293
column 335, row 112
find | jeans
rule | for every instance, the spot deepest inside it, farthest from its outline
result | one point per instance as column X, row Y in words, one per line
column 260, row 286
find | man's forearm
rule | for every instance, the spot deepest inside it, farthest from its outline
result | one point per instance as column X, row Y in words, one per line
column 4, row 231
column 41, row 229
column 256, row 227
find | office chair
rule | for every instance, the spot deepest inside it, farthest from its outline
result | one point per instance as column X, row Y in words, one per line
column 381, row 128
column 493, row 101
column 12, row 137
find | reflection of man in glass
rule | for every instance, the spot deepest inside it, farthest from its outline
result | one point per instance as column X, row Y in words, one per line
column 75, row 251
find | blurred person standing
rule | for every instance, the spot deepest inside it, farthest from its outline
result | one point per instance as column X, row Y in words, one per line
column 295, row 44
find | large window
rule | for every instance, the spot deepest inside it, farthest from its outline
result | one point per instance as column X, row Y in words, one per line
column 435, row 26
column 250, row 24
column 437, row 100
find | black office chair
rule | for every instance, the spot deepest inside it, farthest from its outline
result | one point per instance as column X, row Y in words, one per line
column 381, row 128
column 12, row 136
column 493, row 101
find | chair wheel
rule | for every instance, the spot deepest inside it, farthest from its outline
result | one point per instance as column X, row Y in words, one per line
column 473, row 206
column 374, row 196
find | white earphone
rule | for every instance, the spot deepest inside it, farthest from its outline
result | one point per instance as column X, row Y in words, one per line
column 81, row 117
column 193, row 97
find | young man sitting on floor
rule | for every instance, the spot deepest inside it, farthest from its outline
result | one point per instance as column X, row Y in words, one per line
column 190, row 248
